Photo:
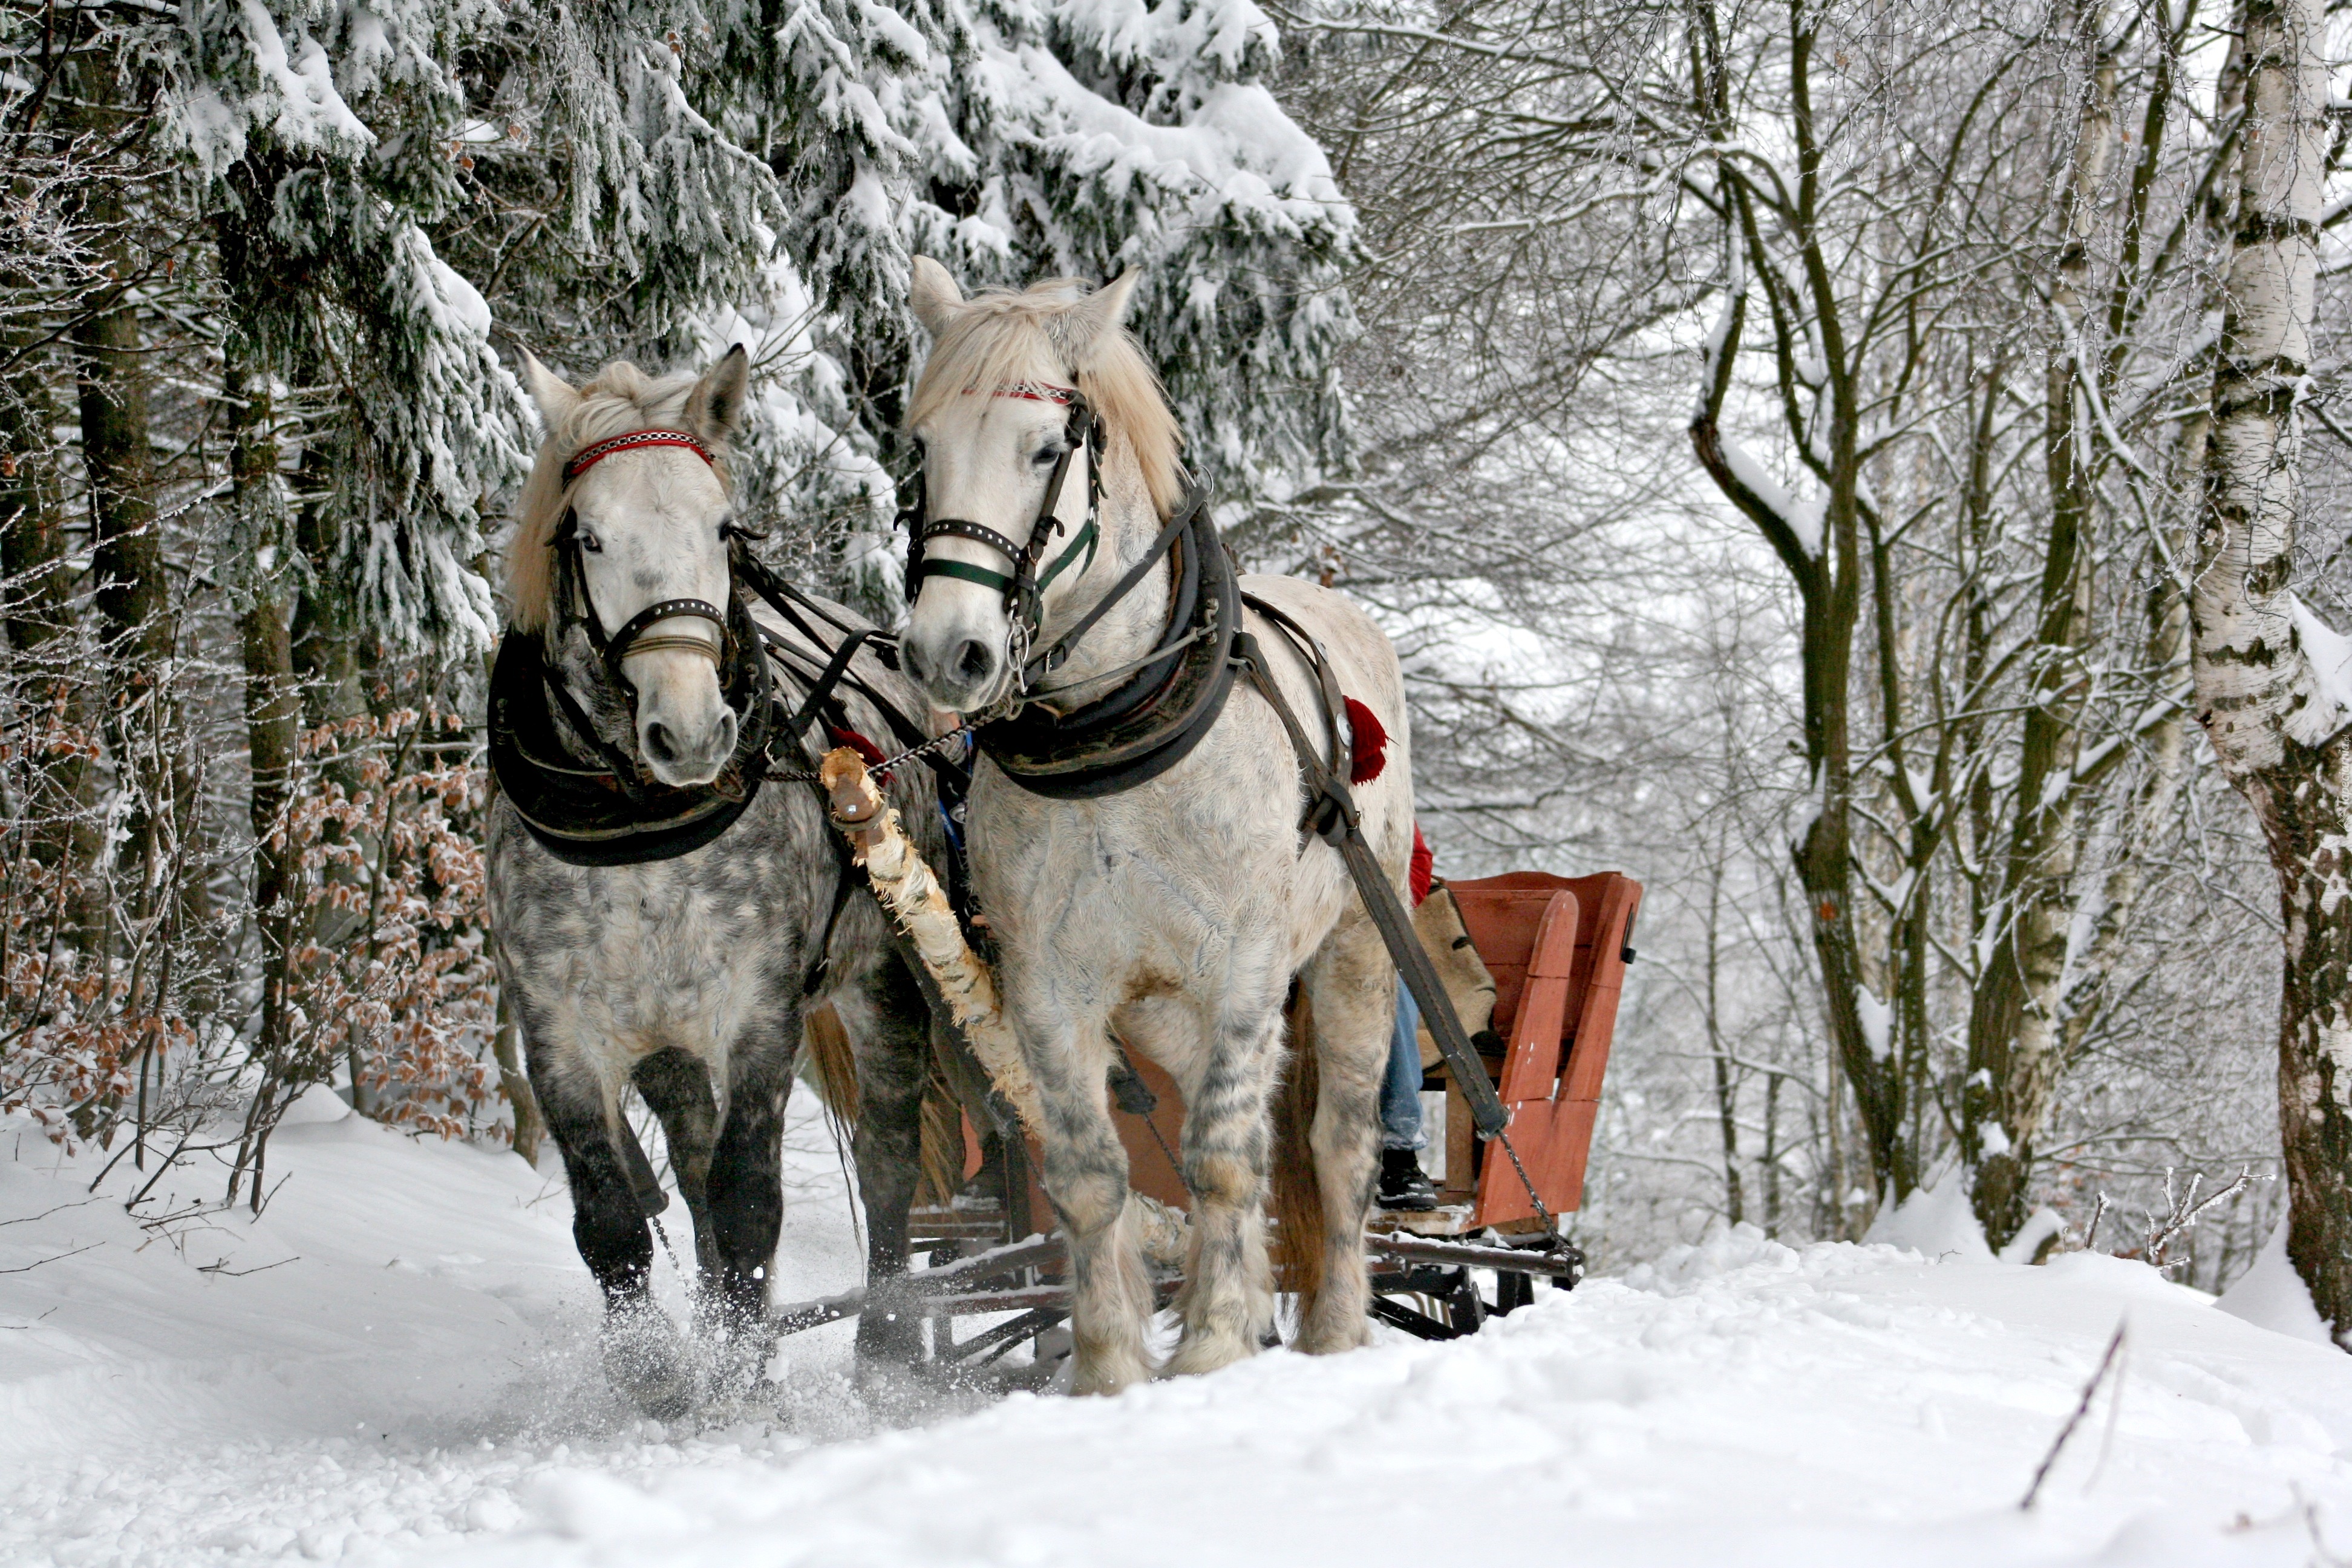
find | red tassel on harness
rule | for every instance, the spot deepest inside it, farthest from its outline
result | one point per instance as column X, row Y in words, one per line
column 867, row 752
column 1371, row 744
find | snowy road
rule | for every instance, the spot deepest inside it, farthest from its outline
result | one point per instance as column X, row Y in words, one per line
column 411, row 1382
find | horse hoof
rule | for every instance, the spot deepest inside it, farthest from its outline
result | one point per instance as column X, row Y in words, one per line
column 644, row 1362
column 1197, row 1355
column 738, row 1358
column 1107, row 1374
column 888, row 1339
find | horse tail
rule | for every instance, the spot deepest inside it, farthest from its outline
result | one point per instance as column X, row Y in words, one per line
column 940, row 1152
column 833, row 1073
column 1300, row 1239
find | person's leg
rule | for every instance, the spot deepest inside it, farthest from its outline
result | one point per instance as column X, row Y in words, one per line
column 1402, row 1184
column 1401, row 1091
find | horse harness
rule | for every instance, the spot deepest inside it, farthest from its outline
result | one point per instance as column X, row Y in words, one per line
column 1164, row 702
column 618, row 814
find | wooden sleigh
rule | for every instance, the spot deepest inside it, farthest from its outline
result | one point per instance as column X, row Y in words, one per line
column 1554, row 951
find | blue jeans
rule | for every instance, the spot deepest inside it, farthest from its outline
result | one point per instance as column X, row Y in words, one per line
column 1400, row 1090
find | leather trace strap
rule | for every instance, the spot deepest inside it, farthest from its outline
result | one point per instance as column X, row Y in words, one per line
column 1333, row 813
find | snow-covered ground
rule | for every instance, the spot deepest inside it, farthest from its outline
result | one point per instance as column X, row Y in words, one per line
column 394, row 1365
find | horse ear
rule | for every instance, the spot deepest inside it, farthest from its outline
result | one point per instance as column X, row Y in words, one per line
column 933, row 295
column 1095, row 318
column 715, row 407
column 555, row 396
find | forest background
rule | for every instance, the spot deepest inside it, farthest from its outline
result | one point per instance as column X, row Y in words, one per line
column 1778, row 436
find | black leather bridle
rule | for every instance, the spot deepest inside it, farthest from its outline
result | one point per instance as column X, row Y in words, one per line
column 573, row 604
column 737, row 654
column 1024, row 586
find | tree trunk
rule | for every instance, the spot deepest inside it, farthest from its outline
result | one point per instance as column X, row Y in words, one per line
column 1727, row 1086
column 133, row 596
column 2275, row 727
column 272, row 700
column 2014, row 1026
column 39, row 612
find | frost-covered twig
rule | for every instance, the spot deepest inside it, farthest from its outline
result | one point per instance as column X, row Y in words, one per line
column 2082, row 1408
column 2182, row 1209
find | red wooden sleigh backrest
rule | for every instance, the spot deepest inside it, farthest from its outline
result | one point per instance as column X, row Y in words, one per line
column 1557, row 949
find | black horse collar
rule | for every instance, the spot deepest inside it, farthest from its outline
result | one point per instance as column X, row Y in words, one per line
column 1152, row 719
column 610, row 811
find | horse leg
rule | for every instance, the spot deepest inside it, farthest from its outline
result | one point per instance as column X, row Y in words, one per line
column 890, row 1026
column 1227, row 1304
column 641, row 1354
column 1084, row 1174
column 745, row 1199
column 677, row 1085
column 1349, row 988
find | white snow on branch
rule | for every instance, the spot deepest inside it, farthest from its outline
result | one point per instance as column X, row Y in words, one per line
column 311, row 112
column 1878, row 1022
column 2329, row 654
column 1803, row 517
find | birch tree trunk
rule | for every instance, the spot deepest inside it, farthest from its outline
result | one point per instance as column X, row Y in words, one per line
column 2014, row 1030
column 2275, row 724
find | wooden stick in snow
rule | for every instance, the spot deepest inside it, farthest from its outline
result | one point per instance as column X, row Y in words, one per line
column 2090, row 1392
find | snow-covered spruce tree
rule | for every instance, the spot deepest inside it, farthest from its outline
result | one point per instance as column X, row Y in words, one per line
column 665, row 180
column 2273, row 683
column 1108, row 136
column 314, row 140
column 310, row 141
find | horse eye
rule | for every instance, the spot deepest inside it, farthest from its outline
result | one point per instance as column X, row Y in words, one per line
column 1045, row 456
column 592, row 545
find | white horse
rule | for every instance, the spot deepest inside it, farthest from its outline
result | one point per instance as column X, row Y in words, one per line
column 1178, row 911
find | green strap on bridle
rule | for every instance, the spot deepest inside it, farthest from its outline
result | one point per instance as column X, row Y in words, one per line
column 1086, row 539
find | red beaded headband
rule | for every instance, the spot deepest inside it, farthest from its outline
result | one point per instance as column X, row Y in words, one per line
column 588, row 458
column 1039, row 392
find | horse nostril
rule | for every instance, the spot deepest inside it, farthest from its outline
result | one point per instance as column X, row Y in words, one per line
column 659, row 745
column 723, row 739
column 973, row 659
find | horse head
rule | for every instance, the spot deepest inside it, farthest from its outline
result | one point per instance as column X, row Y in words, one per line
column 621, row 558
column 1015, row 385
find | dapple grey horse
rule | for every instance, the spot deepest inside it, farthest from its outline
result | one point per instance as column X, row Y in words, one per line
column 685, row 976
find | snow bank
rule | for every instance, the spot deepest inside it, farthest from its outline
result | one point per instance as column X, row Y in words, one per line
column 1935, row 1221
column 2271, row 1295
column 413, row 1386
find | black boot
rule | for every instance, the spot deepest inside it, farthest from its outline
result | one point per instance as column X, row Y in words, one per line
column 1402, row 1186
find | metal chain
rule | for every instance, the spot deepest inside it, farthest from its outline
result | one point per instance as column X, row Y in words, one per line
column 1551, row 1226
column 909, row 755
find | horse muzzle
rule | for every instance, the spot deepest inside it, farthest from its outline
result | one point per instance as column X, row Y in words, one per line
column 958, row 672
column 686, row 731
